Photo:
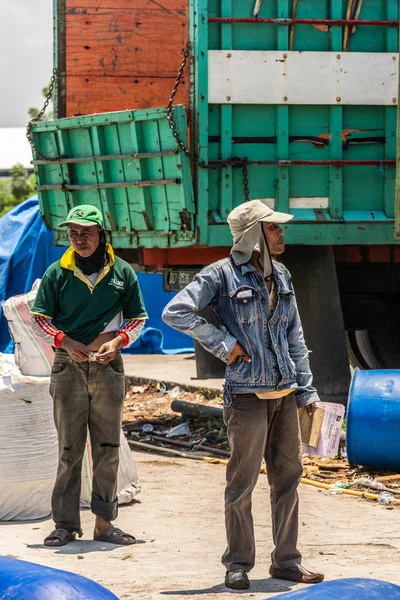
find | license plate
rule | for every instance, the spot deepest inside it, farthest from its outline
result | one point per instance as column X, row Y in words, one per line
column 177, row 279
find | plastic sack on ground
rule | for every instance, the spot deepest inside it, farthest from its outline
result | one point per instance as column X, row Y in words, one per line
column 128, row 484
column 29, row 446
column 33, row 356
column 29, row 449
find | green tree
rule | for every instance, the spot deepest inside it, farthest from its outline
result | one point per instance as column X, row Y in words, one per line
column 7, row 202
column 22, row 186
column 33, row 111
column 17, row 189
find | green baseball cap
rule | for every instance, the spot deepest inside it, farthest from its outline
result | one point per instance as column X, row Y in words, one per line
column 84, row 215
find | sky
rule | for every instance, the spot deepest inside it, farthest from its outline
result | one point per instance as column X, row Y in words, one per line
column 26, row 57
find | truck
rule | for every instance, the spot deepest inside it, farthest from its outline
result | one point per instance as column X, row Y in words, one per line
column 170, row 113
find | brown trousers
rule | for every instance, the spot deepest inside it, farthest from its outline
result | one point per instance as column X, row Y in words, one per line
column 86, row 395
column 260, row 429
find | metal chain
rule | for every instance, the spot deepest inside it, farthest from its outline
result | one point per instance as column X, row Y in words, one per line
column 170, row 118
column 230, row 162
column 38, row 117
column 233, row 162
column 245, row 181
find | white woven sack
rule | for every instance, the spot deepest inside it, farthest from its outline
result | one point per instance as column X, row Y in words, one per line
column 29, row 449
column 33, row 356
column 128, row 483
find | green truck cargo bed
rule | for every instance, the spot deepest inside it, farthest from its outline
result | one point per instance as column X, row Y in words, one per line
column 297, row 107
column 311, row 105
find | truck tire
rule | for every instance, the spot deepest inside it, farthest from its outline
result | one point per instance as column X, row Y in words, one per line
column 355, row 357
column 375, row 348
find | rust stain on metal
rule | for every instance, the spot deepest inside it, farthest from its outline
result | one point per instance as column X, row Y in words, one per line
column 185, row 219
column 111, row 221
column 322, row 136
column 347, row 132
column 147, row 221
column 321, row 27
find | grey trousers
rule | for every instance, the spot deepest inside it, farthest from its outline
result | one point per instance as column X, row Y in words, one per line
column 260, row 429
column 86, row 395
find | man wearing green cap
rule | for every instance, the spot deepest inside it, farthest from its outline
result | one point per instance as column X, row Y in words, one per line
column 88, row 306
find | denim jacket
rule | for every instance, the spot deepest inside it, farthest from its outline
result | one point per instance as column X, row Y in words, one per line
column 239, row 299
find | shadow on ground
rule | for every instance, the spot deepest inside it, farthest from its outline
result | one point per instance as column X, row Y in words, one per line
column 83, row 547
column 265, row 586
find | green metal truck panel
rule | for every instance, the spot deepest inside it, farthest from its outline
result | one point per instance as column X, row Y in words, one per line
column 313, row 115
column 128, row 164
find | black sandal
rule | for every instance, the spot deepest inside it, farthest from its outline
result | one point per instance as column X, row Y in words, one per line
column 116, row 536
column 59, row 537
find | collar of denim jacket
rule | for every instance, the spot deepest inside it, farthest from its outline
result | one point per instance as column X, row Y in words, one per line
column 280, row 278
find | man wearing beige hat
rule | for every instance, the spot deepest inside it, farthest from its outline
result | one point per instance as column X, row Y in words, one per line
column 268, row 378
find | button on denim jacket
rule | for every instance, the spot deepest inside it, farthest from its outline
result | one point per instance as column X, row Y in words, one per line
column 240, row 301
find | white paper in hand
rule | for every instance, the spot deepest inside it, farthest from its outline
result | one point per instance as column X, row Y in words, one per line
column 329, row 439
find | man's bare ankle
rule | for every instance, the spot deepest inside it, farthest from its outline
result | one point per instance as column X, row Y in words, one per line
column 101, row 526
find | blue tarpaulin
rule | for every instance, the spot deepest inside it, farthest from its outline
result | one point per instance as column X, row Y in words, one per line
column 27, row 249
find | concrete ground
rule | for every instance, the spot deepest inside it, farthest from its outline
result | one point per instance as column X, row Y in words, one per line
column 178, row 521
column 177, row 369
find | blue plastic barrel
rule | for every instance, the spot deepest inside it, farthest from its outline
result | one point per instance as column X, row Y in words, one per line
column 21, row 580
column 373, row 420
column 347, row 589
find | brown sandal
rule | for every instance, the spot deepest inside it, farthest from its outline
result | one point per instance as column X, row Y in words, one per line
column 116, row 536
column 296, row 573
column 59, row 537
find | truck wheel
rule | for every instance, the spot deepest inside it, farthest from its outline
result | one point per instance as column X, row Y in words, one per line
column 376, row 348
column 355, row 357
column 385, row 340
column 366, row 349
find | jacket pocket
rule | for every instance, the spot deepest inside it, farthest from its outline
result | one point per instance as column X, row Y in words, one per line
column 239, row 371
column 286, row 299
column 245, row 302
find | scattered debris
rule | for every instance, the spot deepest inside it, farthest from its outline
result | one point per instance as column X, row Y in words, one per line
column 369, row 482
column 182, row 429
column 194, row 410
column 336, row 491
column 152, row 413
column 149, row 416
column 147, row 428
column 386, row 498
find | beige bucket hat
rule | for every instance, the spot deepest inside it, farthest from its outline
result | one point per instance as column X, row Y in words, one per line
column 246, row 215
column 244, row 223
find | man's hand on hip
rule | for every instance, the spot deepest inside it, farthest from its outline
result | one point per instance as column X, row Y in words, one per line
column 236, row 353
column 108, row 351
column 77, row 351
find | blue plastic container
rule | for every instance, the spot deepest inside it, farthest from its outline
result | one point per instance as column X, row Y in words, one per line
column 373, row 420
column 21, row 580
column 348, row 589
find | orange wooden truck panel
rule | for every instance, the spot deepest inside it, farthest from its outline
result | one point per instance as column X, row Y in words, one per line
column 123, row 54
